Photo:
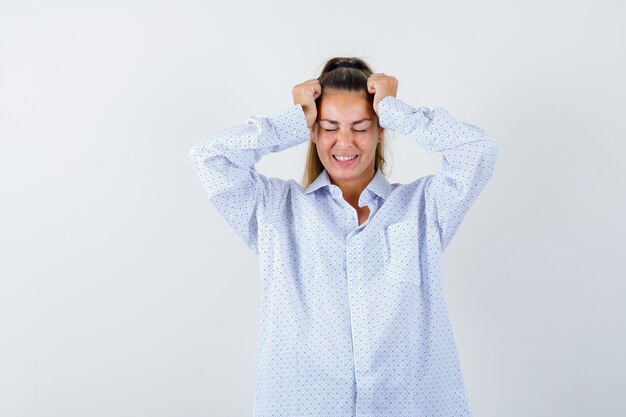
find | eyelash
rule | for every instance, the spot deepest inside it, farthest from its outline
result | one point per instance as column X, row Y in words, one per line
column 334, row 130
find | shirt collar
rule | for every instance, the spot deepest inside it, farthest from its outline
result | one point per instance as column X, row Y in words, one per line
column 379, row 184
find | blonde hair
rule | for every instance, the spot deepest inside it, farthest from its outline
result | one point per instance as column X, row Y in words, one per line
column 349, row 78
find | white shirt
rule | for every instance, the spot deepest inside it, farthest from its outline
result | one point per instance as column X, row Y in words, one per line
column 353, row 320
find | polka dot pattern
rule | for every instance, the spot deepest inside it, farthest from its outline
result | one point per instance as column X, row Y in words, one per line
column 353, row 320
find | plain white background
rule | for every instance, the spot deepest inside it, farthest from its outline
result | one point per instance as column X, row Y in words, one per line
column 123, row 293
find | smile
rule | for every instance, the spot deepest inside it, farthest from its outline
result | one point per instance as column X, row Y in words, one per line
column 344, row 158
column 345, row 161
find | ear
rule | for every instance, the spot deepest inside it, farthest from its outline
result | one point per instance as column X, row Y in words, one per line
column 314, row 131
column 382, row 132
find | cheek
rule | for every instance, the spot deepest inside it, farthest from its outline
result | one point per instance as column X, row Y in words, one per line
column 369, row 143
column 322, row 149
column 324, row 143
column 321, row 143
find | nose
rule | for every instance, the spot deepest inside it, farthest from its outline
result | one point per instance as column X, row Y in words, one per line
column 344, row 137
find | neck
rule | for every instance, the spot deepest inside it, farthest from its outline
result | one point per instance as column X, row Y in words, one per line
column 352, row 189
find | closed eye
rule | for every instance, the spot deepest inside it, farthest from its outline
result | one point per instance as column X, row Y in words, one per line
column 336, row 130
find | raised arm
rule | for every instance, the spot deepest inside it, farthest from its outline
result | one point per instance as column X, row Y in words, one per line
column 225, row 163
column 469, row 156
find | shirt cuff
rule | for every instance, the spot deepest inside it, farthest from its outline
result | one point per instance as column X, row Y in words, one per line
column 290, row 125
column 398, row 115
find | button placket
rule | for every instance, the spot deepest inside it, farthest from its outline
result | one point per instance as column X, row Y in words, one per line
column 384, row 243
column 355, row 293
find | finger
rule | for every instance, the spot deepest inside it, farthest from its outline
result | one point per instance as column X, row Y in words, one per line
column 316, row 91
column 314, row 85
column 371, row 87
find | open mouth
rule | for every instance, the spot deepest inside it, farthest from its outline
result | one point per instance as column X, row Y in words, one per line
column 345, row 160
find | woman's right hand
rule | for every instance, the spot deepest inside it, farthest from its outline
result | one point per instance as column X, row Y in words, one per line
column 305, row 95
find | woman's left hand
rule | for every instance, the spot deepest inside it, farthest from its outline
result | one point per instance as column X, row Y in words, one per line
column 381, row 85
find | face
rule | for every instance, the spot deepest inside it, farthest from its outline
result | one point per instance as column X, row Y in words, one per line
column 347, row 126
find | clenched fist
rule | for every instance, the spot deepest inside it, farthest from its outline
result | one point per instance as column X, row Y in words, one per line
column 381, row 85
column 305, row 95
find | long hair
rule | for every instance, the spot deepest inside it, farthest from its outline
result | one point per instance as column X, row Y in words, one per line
column 351, row 77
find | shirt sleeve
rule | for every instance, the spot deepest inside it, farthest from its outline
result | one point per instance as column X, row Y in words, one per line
column 225, row 164
column 469, row 156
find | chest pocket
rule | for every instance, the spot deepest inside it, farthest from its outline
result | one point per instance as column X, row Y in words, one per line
column 401, row 252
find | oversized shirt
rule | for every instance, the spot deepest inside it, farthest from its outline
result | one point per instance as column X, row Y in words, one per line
column 353, row 320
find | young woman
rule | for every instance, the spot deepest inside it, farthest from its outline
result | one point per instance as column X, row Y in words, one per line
column 353, row 320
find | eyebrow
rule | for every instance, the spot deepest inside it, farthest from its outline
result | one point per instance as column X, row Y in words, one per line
column 356, row 122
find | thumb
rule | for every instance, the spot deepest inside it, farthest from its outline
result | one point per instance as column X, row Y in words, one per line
column 371, row 87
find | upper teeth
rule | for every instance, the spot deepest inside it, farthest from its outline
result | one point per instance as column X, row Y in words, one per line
column 345, row 158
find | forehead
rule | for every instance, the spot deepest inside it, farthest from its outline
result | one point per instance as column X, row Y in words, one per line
column 345, row 105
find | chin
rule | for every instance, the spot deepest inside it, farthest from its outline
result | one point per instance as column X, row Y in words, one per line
column 345, row 174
